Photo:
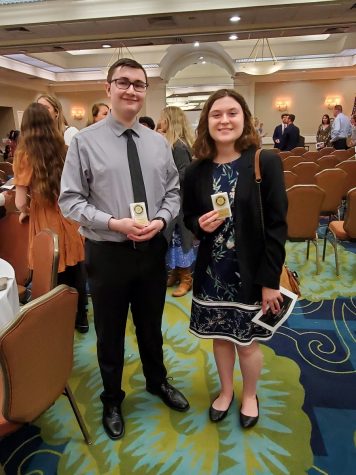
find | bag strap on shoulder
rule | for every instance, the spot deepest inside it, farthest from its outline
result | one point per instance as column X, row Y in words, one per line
column 258, row 177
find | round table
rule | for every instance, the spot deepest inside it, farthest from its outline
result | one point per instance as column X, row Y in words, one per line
column 9, row 298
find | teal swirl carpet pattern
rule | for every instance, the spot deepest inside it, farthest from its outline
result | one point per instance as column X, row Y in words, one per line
column 307, row 396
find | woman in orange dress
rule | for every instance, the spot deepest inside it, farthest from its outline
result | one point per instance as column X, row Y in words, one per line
column 38, row 166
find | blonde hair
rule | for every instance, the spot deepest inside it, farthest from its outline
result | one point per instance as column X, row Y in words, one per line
column 176, row 126
column 60, row 121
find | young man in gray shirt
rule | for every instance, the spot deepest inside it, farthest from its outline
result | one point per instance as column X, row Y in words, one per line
column 125, row 260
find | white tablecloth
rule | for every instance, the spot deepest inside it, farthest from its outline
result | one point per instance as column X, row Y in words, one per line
column 9, row 298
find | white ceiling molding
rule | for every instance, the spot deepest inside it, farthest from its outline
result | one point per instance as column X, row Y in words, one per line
column 179, row 57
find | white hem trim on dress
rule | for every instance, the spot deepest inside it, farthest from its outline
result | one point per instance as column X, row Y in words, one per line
column 228, row 338
column 224, row 303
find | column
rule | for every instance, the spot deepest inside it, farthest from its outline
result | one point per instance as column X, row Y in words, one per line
column 244, row 84
column 155, row 99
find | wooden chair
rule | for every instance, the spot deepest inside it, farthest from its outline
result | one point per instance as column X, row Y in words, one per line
column 36, row 357
column 311, row 156
column 45, row 253
column 298, row 150
column 349, row 166
column 14, row 249
column 305, row 172
column 3, row 177
column 332, row 181
column 284, row 155
column 343, row 230
column 290, row 179
column 304, row 205
column 342, row 155
column 326, row 151
column 289, row 162
column 7, row 168
column 327, row 161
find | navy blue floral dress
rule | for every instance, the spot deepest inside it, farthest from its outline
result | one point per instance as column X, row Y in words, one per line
column 216, row 313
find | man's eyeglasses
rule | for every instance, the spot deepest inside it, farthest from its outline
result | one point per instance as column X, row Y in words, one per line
column 124, row 83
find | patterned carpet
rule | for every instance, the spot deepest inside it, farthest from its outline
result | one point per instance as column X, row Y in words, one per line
column 307, row 398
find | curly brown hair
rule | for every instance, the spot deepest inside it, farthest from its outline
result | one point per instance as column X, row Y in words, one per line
column 204, row 146
column 43, row 144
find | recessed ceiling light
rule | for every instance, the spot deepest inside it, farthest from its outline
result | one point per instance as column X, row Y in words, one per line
column 233, row 37
column 196, row 44
column 203, row 62
column 106, row 46
column 201, row 57
column 235, row 18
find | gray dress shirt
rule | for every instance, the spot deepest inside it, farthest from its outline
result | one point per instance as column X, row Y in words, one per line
column 341, row 127
column 96, row 182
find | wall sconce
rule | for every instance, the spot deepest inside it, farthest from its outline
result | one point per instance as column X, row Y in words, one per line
column 77, row 113
column 281, row 106
column 331, row 102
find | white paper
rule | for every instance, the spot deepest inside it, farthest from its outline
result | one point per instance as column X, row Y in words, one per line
column 272, row 321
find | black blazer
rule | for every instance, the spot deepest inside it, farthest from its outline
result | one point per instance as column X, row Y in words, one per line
column 260, row 260
column 2, row 211
column 277, row 134
column 290, row 138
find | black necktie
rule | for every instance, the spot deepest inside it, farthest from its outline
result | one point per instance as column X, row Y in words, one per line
column 138, row 185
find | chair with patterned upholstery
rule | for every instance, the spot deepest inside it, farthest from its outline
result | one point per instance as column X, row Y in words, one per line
column 342, row 155
column 36, row 358
column 343, row 230
column 284, row 154
column 349, row 166
column 305, row 172
column 7, row 168
column 304, row 205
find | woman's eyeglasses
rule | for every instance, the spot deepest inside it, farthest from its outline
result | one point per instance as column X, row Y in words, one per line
column 124, row 83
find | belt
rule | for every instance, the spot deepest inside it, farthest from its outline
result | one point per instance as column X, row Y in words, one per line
column 128, row 243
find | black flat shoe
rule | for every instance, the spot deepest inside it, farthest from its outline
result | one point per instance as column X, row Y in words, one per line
column 248, row 421
column 113, row 421
column 215, row 415
column 170, row 396
column 81, row 324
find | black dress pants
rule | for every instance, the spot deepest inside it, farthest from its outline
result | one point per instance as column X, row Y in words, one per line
column 340, row 144
column 121, row 276
column 75, row 276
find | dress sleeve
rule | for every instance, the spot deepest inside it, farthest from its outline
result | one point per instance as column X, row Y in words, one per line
column 22, row 170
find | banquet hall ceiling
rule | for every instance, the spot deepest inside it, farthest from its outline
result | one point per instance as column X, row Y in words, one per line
column 64, row 39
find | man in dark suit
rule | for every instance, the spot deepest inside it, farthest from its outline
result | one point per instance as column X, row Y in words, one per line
column 278, row 131
column 291, row 136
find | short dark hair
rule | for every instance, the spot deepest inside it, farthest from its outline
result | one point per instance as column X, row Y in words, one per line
column 148, row 121
column 204, row 147
column 284, row 115
column 129, row 63
column 292, row 117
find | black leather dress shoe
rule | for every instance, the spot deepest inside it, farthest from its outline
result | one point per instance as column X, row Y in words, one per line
column 249, row 421
column 215, row 415
column 170, row 396
column 81, row 324
column 113, row 421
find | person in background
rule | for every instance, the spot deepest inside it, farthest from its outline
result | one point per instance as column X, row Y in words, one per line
column 323, row 135
column 99, row 111
column 259, row 129
column 13, row 138
column 125, row 259
column 180, row 254
column 38, row 165
column 340, row 129
column 238, row 267
column 54, row 107
column 147, row 122
column 353, row 130
column 279, row 130
column 291, row 136
column 7, row 153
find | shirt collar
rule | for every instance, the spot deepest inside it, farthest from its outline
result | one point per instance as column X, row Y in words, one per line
column 118, row 128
